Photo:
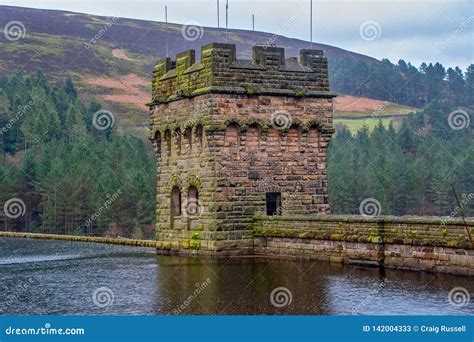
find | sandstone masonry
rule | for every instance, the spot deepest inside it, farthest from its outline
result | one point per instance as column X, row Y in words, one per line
column 235, row 138
column 241, row 148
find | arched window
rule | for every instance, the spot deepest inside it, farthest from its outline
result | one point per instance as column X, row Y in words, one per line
column 192, row 207
column 199, row 136
column 189, row 138
column 175, row 202
column 168, row 142
column 177, row 135
column 157, row 144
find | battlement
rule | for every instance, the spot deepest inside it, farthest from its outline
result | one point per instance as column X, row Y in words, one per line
column 219, row 71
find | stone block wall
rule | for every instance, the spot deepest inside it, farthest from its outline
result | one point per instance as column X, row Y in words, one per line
column 232, row 131
column 219, row 70
column 412, row 243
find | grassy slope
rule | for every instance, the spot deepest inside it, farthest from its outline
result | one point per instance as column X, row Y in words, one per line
column 354, row 112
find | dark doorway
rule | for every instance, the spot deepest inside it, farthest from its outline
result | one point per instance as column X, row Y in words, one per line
column 273, row 203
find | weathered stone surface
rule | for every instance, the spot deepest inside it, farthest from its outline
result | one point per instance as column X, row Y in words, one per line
column 230, row 131
column 235, row 130
column 363, row 241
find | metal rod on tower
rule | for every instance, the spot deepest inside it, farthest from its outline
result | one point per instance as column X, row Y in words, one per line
column 226, row 20
column 311, row 23
column 253, row 22
column 218, row 23
column 166, row 29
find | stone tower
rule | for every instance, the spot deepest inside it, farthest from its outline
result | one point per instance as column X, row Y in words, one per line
column 237, row 139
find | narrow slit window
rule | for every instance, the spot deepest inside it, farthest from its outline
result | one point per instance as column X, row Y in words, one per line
column 168, row 142
column 175, row 202
column 273, row 203
column 177, row 134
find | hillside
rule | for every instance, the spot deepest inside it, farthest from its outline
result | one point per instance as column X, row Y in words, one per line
column 112, row 58
column 355, row 112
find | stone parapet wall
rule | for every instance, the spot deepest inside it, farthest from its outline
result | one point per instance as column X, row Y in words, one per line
column 219, row 70
column 412, row 243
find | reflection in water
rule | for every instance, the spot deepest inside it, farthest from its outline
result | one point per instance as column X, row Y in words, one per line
column 58, row 277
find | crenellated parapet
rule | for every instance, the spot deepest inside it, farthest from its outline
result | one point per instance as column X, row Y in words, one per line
column 219, row 71
column 234, row 138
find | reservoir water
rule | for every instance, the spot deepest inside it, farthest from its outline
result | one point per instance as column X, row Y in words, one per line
column 39, row 277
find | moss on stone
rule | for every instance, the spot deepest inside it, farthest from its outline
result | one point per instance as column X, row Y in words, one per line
column 300, row 93
column 250, row 89
column 184, row 244
column 196, row 235
column 195, row 244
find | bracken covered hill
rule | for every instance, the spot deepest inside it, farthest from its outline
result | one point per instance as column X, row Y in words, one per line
column 112, row 58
